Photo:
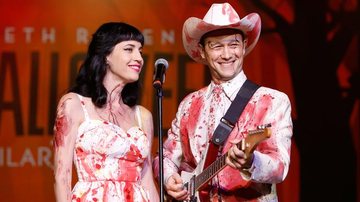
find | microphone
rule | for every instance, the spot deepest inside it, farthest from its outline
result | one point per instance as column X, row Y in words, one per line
column 159, row 72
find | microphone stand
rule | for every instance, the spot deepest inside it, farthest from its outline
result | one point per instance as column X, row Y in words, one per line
column 161, row 158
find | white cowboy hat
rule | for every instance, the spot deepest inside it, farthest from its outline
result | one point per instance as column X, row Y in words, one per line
column 219, row 16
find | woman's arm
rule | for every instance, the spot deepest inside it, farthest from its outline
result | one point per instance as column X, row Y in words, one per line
column 147, row 180
column 65, row 132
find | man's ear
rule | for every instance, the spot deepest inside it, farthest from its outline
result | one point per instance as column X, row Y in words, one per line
column 245, row 45
column 202, row 51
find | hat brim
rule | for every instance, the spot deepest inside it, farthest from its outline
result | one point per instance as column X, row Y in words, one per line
column 194, row 28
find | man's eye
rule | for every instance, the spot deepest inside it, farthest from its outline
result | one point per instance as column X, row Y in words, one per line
column 214, row 46
column 234, row 45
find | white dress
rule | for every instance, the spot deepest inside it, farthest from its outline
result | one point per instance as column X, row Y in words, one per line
column 109, row 161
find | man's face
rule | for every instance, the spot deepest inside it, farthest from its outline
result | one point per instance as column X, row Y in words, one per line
column 224, row 55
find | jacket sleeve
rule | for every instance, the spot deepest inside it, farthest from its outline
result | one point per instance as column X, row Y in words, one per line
column 272, row 157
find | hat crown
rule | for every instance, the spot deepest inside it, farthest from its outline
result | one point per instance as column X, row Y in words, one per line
column 221, row 14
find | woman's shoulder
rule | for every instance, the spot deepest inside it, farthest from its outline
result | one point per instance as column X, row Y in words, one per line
column 146, row 122
column 145, row 113
column 70, row 99
column 70, row 105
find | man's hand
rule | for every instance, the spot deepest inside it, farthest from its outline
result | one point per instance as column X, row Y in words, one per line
column 174, row 187
column 237, row 159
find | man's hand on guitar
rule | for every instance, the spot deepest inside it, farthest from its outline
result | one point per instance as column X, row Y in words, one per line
column 175, row 188
column 237, row 159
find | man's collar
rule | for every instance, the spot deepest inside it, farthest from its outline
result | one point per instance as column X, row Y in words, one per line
column 230, row 87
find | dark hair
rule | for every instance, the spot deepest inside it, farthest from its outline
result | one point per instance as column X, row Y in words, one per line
column 89, row 81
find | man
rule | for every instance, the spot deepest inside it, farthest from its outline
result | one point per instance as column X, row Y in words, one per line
column 221, row 40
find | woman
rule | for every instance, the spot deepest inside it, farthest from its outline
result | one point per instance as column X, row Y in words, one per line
column 100, row 127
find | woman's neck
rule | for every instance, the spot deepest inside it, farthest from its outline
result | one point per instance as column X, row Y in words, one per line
column 114, row 88
column 115, row 110
column 114, row 94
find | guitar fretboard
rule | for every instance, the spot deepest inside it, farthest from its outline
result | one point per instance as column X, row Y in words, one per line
column 210, row 171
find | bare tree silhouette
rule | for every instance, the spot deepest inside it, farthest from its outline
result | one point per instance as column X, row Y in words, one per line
column 316, row 43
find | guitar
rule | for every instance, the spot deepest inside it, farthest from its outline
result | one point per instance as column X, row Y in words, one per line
column 195, row 181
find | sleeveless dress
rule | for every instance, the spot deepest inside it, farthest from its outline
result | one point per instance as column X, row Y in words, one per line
column 109, row 161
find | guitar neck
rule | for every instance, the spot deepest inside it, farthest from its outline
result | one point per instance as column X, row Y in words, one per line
column 210, row 171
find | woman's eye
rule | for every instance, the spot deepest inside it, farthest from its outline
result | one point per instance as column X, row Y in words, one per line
column 128, row 49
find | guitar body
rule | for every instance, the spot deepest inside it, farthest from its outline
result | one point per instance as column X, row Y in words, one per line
column 186, row 176
column 201, row 192
column 188, row 179
column 196, row 195
column 197, row 182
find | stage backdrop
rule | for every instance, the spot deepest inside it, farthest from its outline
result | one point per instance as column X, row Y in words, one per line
column 42, row 43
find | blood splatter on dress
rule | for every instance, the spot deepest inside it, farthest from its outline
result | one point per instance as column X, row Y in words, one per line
column 109, row 161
